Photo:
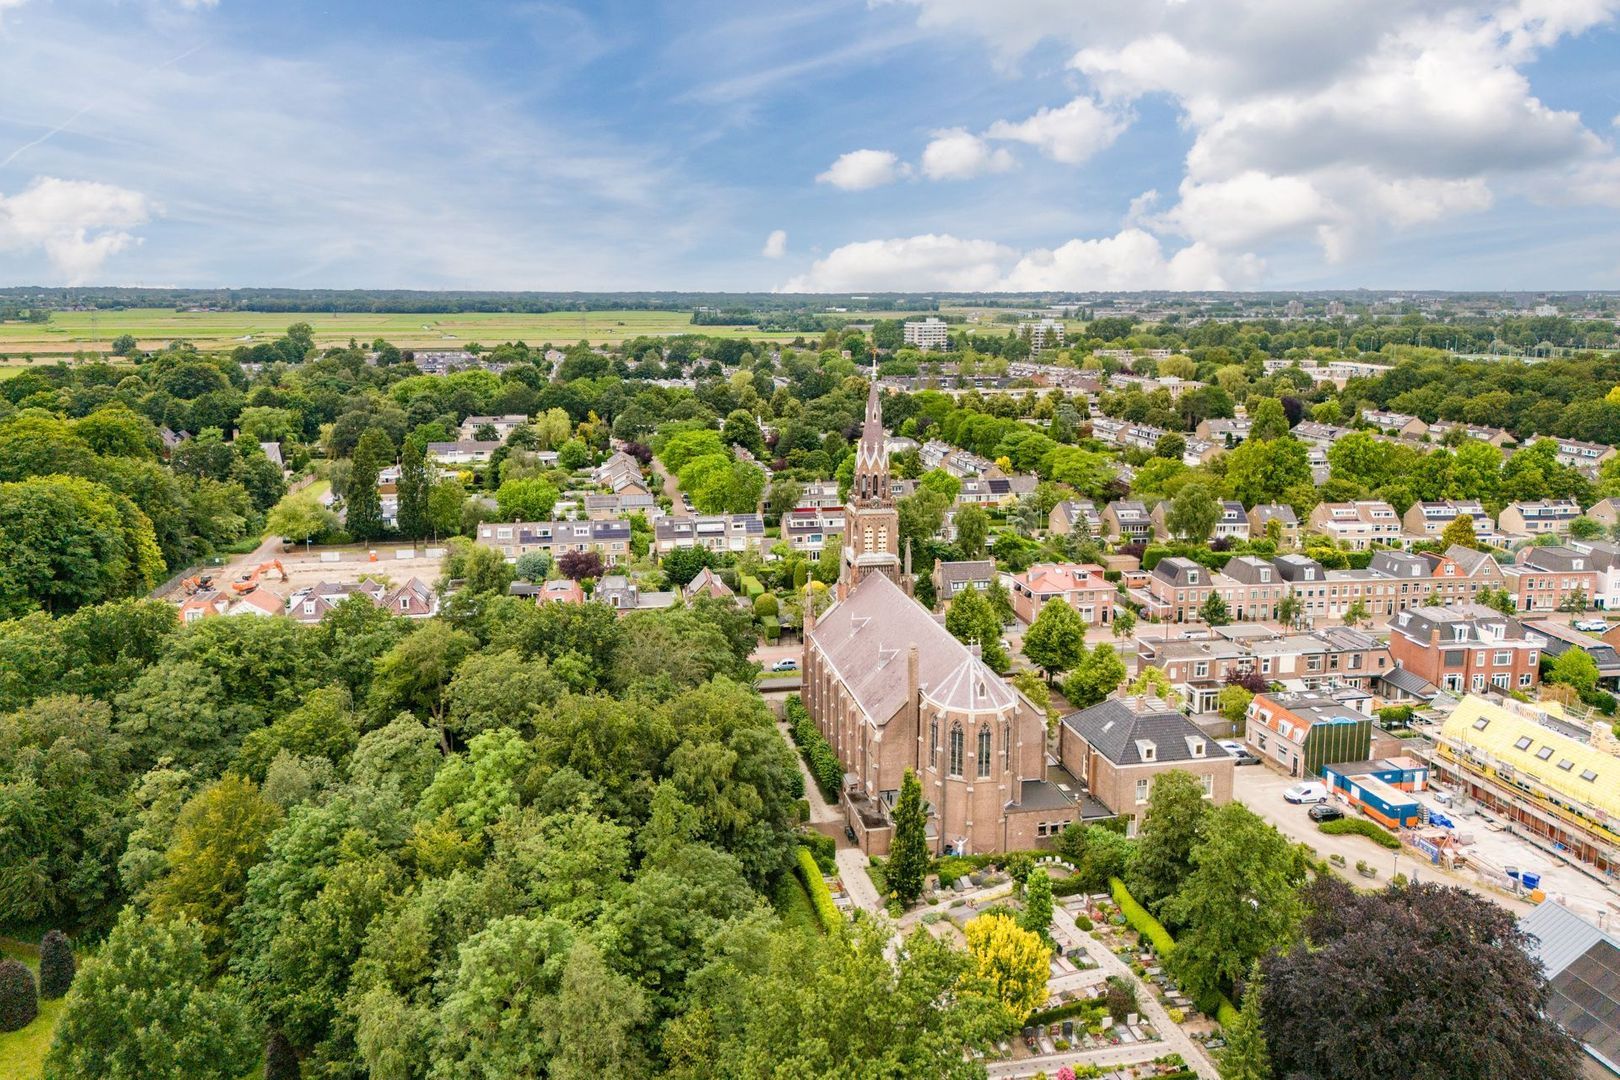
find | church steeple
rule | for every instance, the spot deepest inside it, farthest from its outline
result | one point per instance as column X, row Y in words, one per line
column 871, row 487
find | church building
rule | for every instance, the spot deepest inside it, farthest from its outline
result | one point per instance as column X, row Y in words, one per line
column 891, row 689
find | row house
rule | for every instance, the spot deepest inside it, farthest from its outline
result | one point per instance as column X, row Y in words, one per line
column 1128, row 520
column 1177, row 588
column 811, row 528
column 1225, row 432
column 1358, row 525
column 1401, row 424
column 1545, row 577
column 822, row 495
column 1585, row 456
column 619, row 472
column 462, row 452
column 503, row 425
column 1329, row 657
column 610, row 539
column 1075, row 516
column 994, row 489
column 1304, row 730
column 1429, row 519
column 1287, row 528
column 1080, row 585
column 1539, row 517
column 1196, row 667
column 1604, row 558
column 1468, row 647
column 615, row 504
column 1440, row 430
column 712, row 532
column 1320, row 435
column 1459, row 574
column 311, row 603
column 1171, row 384
column 213, row 603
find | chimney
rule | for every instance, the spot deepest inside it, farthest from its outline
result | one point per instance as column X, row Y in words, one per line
column 913, row 675
column 843, row 590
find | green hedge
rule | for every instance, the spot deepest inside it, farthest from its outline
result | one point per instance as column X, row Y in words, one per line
column 1141, row 921
column 818, row 752
column 1361, row 827
column 820, row 897
column 1067, row 1011
column 823, row 848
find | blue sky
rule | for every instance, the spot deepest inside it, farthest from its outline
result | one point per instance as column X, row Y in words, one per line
column 823, row 146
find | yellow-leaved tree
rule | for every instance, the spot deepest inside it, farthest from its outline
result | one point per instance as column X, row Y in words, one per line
column 1010, row 964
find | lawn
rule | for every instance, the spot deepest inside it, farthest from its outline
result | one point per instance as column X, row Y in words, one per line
column 68, row 331
column 22, row 1053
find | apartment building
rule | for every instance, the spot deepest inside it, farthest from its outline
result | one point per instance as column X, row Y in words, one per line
column 712, row 532
column 610, row 539
column 1080, row 585
column 1304, row 731
column 1043, row 333
column 929, row 333
column 1468, row 647
column 1358, row 525
column 1540, row 517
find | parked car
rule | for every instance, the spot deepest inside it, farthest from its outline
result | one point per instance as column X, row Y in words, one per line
column 1307, row 792
column 849, row 831
column 1241, row 755
column 1591, row 626
column 785, row 665
column 1325, row 812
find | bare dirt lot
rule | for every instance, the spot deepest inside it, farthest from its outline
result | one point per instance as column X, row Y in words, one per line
column 318, row 564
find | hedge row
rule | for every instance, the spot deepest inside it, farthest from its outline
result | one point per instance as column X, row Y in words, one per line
column 1360, row 827
column 1067, row 1011
column 818, row 752
column 1141, row 920
column 820, row 895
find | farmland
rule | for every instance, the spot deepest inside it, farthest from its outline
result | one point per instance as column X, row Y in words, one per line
column 71, row 331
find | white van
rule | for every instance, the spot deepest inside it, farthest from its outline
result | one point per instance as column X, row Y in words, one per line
column 1308, row 792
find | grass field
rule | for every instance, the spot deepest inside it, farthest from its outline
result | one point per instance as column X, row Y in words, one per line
column 69, row 331
column 22, row 1053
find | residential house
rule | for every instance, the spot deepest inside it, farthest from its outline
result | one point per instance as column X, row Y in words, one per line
column 1196, row 667
column 811, row 528
column 464, row 452
column 707, row 584
column 1541, row 517
column 1581, row 964
column 1585, row 456
column 311, row 603
column 820, row 494
column 1128, row 520
column 1303, row 731
column 1460, row 574
column 1225, row 433
column 1401, row 424
column 610, row 539
column 1561, row 637
column 1261, row 516
column 1545, row 578
column 622, row 595
column 1604, row 558
column 713, row 532
column 503, row 425
column 619, row 504
column 1468, row 647
column 1178, row 588
column 1075, row 515
column 1118, row 747
column 1317, row 434
column 209, row 603
column 1358, row 525
column 1080, row 585
column 562, row 590
column 952, row 578
column 1427, row 520
column 1497, row 437
column 1233, row 523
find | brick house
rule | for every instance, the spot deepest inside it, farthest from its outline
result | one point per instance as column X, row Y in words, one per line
column 1127, row 519
column 952, row 578
column 1075, row 515
column 1358, row 525
column 1545, row 577
column 1305, row 730
column 1541, row 517
column 1081, row 586
column 1283, row 514
column 1468, row 647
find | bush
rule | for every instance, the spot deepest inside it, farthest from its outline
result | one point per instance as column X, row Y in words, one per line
column 56, row 965
column 1361, row 827
column 823, row 849
column 280, row 1059
column 1083, row 922
column 1067, row 1011
column 1142, row 922
column 1395, row 715
column 820, row 895
column 19, row 1000
column 1068, row 886
column 818, row 752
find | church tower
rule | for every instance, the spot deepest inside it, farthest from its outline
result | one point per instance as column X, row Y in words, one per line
column 871, row 523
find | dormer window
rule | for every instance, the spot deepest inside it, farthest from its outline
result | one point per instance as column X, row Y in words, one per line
column 1147, row 749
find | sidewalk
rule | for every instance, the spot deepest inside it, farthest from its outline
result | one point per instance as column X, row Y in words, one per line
column 852, row 871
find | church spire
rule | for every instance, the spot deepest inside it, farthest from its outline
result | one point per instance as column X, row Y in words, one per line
column 872, row 456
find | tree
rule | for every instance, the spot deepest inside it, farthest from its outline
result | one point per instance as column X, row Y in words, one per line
column 573, row 454
column 1469, row 1000
column 1194, row 513
column 1575, row 667
column 444, row 503
column 1213, row 611
column 496, row 1003
column 1258, row 471
column 1010, row 964
column 1357, row 613
column 221, row 833
column 125, row 345
column 1239, row 902
column 971, row 619
column 1097, row 674
column 1498, row 599
column 56, row 965
column 972, row 529
column 1170, row 831
column 146, row 1007
column 364, row 514
column 1234, row 702
column 1037, row 914
column 415, row 673
column 580, row 564
column 1056, row 639
column 19, row 999
column 527, row 499
column 1245, row 1056
column 68, row 542
column 532, row 566
column 1124, row 623
column 414, row 486
column 683, row 564
column 908, row 855
column 1459, row 532
column 1575, row 602
column 300, row 517
column 1268, row 420
column 1289, row 609
column 280, row 1059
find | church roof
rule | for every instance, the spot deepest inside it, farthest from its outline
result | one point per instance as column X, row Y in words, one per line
column 866, row 637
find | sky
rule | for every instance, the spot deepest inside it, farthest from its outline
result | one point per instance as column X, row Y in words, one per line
column 813, row 145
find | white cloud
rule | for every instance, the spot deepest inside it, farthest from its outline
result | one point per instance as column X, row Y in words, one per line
column 1131, row 259
column 907, row 264
column 1070, row 134
column 775, row 244
column 78, row 225
column 957, row 154
column 862, row 169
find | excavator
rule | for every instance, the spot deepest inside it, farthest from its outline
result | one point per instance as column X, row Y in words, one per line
column 192, row 585
column 250, row 581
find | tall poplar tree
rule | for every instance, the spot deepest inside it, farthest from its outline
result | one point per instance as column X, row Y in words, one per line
column 908, row 856
column 413, row 488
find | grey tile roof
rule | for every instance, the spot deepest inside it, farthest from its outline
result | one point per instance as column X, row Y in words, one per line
column 1115, row 729
column 967, row 570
